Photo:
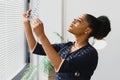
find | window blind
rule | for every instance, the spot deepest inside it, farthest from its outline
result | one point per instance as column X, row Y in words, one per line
column 12, row 44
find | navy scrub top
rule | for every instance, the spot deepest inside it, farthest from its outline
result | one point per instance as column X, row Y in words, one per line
column 79, row 65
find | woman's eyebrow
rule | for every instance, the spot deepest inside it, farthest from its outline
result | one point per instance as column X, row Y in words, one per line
column 80, row 19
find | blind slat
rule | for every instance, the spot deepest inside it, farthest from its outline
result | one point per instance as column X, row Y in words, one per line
column 11, row 38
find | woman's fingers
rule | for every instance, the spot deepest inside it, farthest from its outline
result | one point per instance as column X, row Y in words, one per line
column 38, row 20
column 29, row 10
column 28, row 13
column 37, row 27
column 24, row 14
column 35, row 21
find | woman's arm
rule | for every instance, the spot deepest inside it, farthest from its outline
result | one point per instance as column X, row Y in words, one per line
column 29, row 35
column 53, row 56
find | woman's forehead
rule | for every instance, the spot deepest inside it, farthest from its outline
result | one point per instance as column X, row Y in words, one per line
column 82, row 17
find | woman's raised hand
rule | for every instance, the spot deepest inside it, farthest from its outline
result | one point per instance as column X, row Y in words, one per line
column 25, row 16
column 38, row 27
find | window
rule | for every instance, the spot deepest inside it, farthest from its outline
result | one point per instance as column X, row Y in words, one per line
column 12, row 39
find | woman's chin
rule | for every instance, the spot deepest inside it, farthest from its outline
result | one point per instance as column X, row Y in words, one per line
column 69, row 30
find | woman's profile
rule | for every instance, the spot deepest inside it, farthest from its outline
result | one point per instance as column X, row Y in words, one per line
column 72, row 60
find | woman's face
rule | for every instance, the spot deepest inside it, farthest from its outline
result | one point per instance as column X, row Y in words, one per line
column 79, row 25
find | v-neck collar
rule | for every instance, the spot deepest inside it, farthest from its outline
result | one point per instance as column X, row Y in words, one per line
column 77, row 49
column 65, row 51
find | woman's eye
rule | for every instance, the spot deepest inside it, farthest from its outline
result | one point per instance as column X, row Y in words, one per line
column 78, row 20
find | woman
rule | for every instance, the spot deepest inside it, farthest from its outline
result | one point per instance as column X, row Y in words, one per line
column 73, row 60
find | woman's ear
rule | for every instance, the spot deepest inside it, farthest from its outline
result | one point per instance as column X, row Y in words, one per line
column 88, row 30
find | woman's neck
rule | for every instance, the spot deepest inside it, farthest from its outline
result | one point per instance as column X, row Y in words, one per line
column 80, row 41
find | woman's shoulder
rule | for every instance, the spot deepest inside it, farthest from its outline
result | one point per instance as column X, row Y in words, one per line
column 62, row 44
column 89, row 50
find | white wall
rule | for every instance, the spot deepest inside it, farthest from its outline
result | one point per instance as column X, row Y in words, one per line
column 109, row 57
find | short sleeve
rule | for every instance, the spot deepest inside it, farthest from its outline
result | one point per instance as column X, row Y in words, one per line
column 66, row 66
column 40, row 51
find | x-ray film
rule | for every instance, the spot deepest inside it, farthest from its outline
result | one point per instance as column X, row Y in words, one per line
column 35, row 11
